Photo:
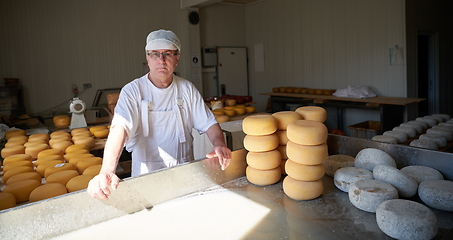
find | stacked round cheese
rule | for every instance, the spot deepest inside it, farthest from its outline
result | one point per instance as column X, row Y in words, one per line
column 261, row 141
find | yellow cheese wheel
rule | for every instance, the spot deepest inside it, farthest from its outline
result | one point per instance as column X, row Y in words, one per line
column 51, row 151
column 15, row 132
column 306, row 132
column 43, row 166
column 88, row 162
column 77, row 158
column 304, row 172
column 17, row 164
column 312, row 113
column 48, row 190
column 302, row 190
column 15, row 142
column 62, row 177
column 218, row 112
column 58, row 134
column 17, row 157
column 282, row 150
column 78, row 130
column 62, row 121
column 15, row 171
column 7, row 200
column 24, row 176
column 264, row 160
column 12, row 150
column 282, row 138
column 95, row 128
column 101, row 133
column 282, row 166
column 262, row 143
column 75, row 152
column 39, row 136
column 34, row 142
column 18, row 138
column 89, row 141
column 76, row 147
column 286, row 117
column 250, row 109
column 33, row 150
column 59, row 167
column 44, row 159
column 307, row 154
column 22, row 189
column 222, row 118
column 78, row 183
column 61, row 145
column 259, row 125
column 93, row 170
column 263, row 177
column 230, row 112
column 240, row 110
column 82, row 134
column 57, row 139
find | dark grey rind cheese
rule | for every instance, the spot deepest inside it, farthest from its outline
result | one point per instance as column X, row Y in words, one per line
column 423, row 143
column 405, row 219
column 368, row 194
column 421, row 123
column 406, row 186
column 422, row 173
column 437, row 194
column 335, row 162
column 448, row 124
column 448, row 128
column 417, row 127
column 445, row 117
column 437, row 118
column 441, row 141
column 400, row 136
column 384, row 139
column 410, row 132
column 430, row 121
column 368, row 158
column 446, row 133
column 344, row 177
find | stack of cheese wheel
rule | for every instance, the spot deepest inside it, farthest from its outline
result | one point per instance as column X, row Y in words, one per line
column 15, row 140
column 99, row 131
column 306, row 150
column 261, row 141
column 284, row 118
column 83, row 136
column 36, row 143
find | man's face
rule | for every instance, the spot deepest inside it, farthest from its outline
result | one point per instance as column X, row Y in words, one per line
column 162, row 62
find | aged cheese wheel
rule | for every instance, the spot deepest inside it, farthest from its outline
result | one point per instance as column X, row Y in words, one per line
column 446, row 133
column 12, row 150
column 307, row 154
column 240, row 110
column 81, row 134
column 445, row 117
column 437, row 194
column 410, row 132
column 58, row 139
column 15, row 142
column 18, row 138
column 44, row 159
column 259, row 125
column 89, row 141
column 344, row 177
column 48, row 190
column 304, row 172
column 406, row 186
column 17, row 157
column 418, row 128
column 75, row 152
column 424, row 143
column 78, row 183
column 263, row 177
column 62, row 176
column 34, row 142
column 33, row 150
column 284, row 118
column 282, row 138
column 335, row 162
column 405, row 219
column 59, row 167
column 39, row 136
column 420, row 123
column 7, row 200
column 88, row 162
column 306, row 132
column 384, row 139
column 448, row 124
column 312, row 113
column 78, row 130
column 43, row 166
column 264, row 160
column 230, row 112
column 76, row 147
column 218, row 112
column 92, row 170
column 441, row 141
column 422, row 173
column 302, row 190
column 443, row 127
column 101, row 133
column 24, row 176
column 282, row 150
column 62, row 121
column 16, row 132
column 59, row 133
column 399, row 136
column 48, row 152
column 222, row 118
column 15, row 171
column 262, row 143
column 77, row 158
column 22, row 189
column 430, row 121
column 17, row 164
column 437, row 118
column 250, row 109
column 368, row 194
column 62, row 145
column 95, row 128
column 368, row 158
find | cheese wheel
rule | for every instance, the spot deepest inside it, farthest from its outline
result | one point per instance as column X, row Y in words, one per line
column 284, row 118
column 437, row 194
column 15, row 171
column 34, row 142
column 62, row 177
column 62, row 121
column 24, row 176
column 49, row 190
column 335, row 162
column 406, row 186
column 82, row 134
column 15, row 132
column 43, row 166
column 420, row 123
column 418, row 128
column 443, row 127
column 304, row 172
column 16, row 142
column 17, row 164
column 12, row 150
column 58, row 134
column 410, row 132
column 74, row 153
column 368, row 194
column 282, row 150
column 259, row 125
column 62, row 145
column 17, row 157
column 57, row 139
column 89, row 141
column 33, row 150
column 7, row 200
column 39, row 136
column 76, row 147
column 399, row 136
column 44, row 159
column 22, row 189
column 344, row 177
column 437, row 118
column 424, row 143
column 95, row 128
column 306, row 132
column 448, row 124
column 368, row 158
column 312, row 113
column 18, row 138
column 422, row 173
column 101, row 133
column 443, row 132
column 59, row 167
column 263, row 177
column 282, row 138
column 430, row 121
column 93, row 170
column 384, row 139
column 48, row 152
column 78, row 130
column 302, row 190
column 78, row 183
column 264, row 160
column 262, row 143
column 250, row 109
column 218, row 112
column 88, row 162
column 307, row 154
column 222, row 118
column 441, row 141
column 77, row 158
column 445, row 117
column 239, row 110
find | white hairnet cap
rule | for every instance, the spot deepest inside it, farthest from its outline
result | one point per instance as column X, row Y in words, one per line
column 162, row 39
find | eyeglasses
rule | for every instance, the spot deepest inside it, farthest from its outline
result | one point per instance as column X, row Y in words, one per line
column 165, row 55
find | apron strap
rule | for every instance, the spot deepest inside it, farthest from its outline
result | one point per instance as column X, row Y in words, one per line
column 182, row 135
column 145, row 108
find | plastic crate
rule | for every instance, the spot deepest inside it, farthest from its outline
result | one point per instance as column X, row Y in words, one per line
column 365, row 130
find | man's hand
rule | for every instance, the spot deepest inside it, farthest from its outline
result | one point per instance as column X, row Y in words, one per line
column 98, row 187
column 224, row 155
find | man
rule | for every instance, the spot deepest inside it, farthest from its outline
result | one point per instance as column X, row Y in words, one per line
column 154, row 117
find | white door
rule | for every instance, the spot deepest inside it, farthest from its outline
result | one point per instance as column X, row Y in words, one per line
column 232, row 70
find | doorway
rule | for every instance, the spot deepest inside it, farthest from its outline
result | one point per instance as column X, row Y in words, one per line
column 427, row 73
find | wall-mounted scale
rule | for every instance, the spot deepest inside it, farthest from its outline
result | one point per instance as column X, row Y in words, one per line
column 77, row 107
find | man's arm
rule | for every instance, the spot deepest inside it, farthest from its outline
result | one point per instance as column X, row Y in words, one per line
column 219, row 149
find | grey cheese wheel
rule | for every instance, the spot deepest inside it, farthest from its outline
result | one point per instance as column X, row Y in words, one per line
column 410, row 132
column 448, row 128
column 406, row 186
column 437, row 194
column 400, row 136
column 405, row 219
column 446, row 133
column 441, row 141
column 367, row 158
column 384, row 139
column 445, row 117
column 430, row 121
column 437, row 118
column 423, row 143
column 448, row 124
column 421, row 123
column 344, row 177
column 368, row 194
column 335, row 162
column 422, row 173
column 418, row 128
